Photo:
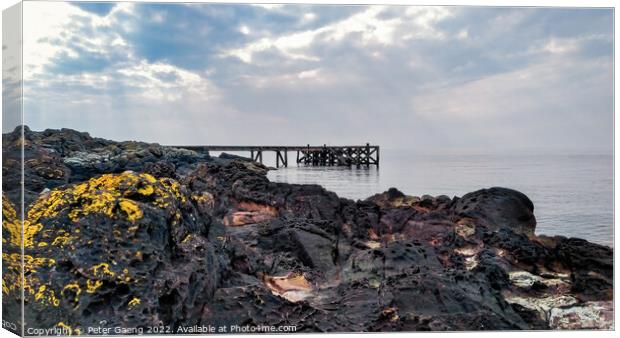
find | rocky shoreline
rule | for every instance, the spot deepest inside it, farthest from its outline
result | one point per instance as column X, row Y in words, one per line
column 144, row 236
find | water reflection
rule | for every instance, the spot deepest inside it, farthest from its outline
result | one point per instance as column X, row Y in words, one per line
column 572, row 194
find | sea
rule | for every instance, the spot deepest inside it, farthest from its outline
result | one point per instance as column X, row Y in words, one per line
column 572, row 194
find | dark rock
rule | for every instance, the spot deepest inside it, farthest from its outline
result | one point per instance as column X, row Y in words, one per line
column 160, row 169
column 500, row 207
column 128, row 248
column 493, row 268
column 518, row 247
column 531, row 317
column 144, row 235
column 591, row 266
column 227, row 156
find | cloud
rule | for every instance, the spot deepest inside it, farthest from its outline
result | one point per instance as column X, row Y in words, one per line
column 371, row 26
column 59, row 31
column 81, row 72
column 429, row 78
column 99, row 8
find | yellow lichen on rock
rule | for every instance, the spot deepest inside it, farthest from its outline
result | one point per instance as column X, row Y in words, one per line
column 46, row 296
column 8, row 211
column 12, row 281
column 146, row 190
column 93, row 285
column 173, row 189
column 132, row 209
column 10, row 223
column 75, row 288
column 98, row 195
column 101, row 270
column 18, row 234
column 5, row 288
column 133, row 303
column 60, row 240
column 205, row 200
column 105, row 194
column 55, row 221
column 68, row 329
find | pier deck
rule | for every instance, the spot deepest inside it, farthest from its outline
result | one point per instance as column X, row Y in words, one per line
column 308, row 155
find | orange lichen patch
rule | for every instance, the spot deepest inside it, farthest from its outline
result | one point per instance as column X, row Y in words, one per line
column 49, row 173
column 250, row 213
column 205, row 200
column 239, row 218
column 372, row 244
column 465, row 227
column 397, row 202
column 373, row 235
column 390, row 313
column 294, row 287
column 347, row 229
column 252, row 206
column 389, row 238
column 421, row 209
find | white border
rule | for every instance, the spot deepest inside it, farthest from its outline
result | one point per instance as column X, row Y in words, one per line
column 506, row 3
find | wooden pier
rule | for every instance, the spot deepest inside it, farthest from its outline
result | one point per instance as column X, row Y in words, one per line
column 365, row 155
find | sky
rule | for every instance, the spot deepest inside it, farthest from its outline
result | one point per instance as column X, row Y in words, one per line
column 431, row 79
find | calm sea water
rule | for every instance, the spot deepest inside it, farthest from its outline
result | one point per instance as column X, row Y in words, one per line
column 572, row 194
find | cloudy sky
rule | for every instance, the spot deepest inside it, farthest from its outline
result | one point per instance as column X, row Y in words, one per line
column 448, row 79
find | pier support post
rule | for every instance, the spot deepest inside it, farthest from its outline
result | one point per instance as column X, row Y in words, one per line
column 281, row 158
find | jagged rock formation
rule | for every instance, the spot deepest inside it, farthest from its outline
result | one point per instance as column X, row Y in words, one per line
column 144, row 235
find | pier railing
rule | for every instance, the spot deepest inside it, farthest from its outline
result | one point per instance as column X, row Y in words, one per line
column 364, row 155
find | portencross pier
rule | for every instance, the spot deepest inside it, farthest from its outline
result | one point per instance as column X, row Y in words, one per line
column 364, row 155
